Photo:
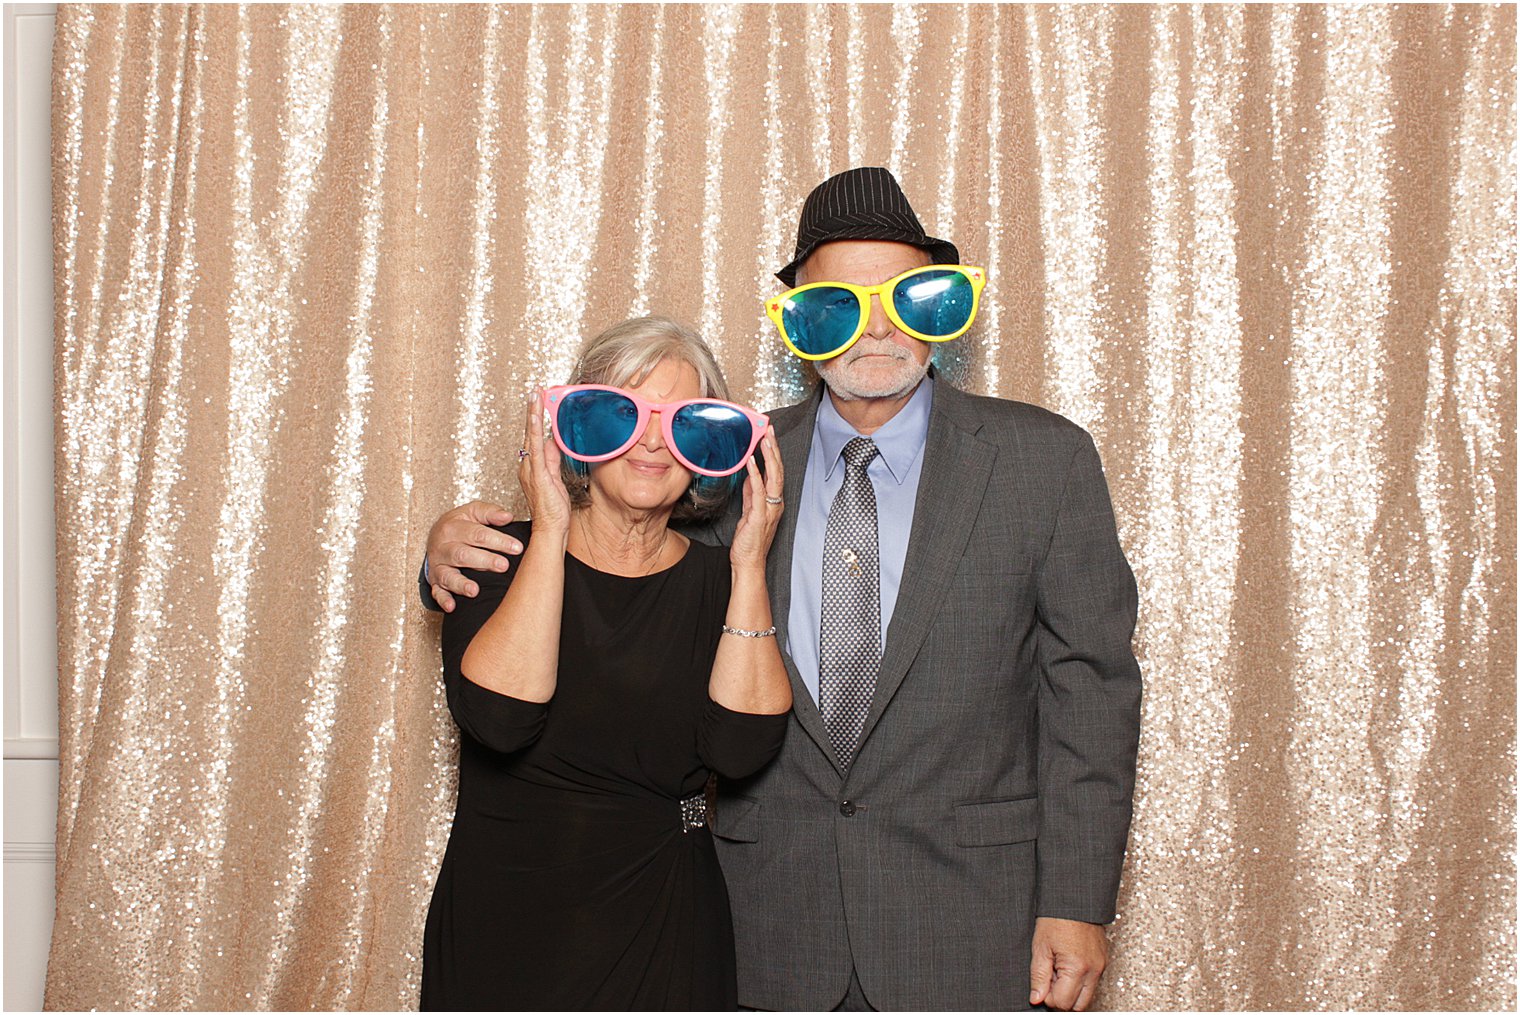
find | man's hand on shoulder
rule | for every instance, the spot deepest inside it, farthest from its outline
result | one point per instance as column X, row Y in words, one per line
column 1068, row 958
column 462, row 537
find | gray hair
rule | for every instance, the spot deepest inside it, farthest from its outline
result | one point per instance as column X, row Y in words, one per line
column 622, row 356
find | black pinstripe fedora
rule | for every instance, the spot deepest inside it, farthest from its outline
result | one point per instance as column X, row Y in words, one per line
column 861, row 204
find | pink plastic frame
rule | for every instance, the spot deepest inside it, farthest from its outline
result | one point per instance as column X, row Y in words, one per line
column 667, row 410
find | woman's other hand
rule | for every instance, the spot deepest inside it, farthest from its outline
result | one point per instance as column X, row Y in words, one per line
column 538, row 472
column 762, row 507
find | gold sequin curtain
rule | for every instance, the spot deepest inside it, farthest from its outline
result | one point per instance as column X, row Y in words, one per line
column 309, row 259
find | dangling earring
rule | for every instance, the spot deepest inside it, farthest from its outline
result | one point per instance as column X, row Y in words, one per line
column 582, row 473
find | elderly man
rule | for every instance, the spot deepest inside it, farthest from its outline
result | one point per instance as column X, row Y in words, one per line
column 946, row 823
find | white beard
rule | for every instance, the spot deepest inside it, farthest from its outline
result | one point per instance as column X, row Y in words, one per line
column 851, row 384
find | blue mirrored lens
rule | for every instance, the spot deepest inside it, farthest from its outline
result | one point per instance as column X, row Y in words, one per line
column 819, row 321
column 713, row 437
column 595, row 423
column 935, row 303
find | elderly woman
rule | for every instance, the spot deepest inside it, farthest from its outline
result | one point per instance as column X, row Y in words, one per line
column 598, row 683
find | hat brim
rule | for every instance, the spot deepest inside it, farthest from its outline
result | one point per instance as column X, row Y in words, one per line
column 940, row 251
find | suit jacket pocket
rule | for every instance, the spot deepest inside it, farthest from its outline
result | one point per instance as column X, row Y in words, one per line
column 997, row 822
column 737, row 819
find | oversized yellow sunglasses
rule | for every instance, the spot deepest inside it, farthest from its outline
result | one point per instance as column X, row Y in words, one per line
column 934, row 303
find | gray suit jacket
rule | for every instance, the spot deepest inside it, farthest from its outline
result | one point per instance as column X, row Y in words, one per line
column 994, row 776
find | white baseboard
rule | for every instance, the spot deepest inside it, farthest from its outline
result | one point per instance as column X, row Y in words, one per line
column 31, row 806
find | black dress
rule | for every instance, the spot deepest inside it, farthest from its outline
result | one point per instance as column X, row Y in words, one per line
column 568, row 882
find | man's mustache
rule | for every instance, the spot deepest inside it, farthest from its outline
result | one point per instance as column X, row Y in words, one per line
column 873, row 347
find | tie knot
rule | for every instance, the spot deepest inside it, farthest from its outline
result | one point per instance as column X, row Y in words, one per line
column 859, row 452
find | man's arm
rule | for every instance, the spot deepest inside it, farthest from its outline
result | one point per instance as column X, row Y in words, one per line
column 1089, row 728
column 462, row 537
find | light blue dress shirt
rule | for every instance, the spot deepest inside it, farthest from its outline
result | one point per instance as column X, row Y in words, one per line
column 894, row 477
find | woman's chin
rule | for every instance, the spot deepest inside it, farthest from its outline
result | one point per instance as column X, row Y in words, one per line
column 644, row 496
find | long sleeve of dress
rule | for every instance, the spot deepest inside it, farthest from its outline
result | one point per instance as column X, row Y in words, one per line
column 498, row 721
column 736, row 744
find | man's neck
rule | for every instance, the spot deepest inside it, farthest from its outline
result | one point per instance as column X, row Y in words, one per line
column 867, row 415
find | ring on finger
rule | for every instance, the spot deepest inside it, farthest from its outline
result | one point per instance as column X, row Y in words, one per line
column 522, row 453
column 775, row 500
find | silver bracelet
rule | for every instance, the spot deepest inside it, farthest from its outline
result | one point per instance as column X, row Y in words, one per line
column 769, row 632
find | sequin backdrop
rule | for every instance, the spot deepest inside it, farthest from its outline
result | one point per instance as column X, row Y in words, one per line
column 309, row 259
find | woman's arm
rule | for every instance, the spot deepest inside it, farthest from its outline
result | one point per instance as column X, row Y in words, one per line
column 516, row 651
column 497, row 721
column 748, row 675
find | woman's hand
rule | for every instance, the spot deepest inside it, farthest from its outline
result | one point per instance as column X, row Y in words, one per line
column 538, row 472
column 762, row 508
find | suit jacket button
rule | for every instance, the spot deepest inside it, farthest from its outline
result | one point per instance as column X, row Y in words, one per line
column 847, row 808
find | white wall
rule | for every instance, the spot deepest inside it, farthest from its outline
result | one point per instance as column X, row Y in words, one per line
column 30, row 648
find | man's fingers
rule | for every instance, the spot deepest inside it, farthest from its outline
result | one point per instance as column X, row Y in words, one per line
column 1040, row 971
column 471, row 523
column 1073, row 987
column 1064, row 991
column 489, row 539
column 463, row 555
column 443, row 599
column 450, row 580
column 484, row 512
column 476, row 546
column 1071, row 956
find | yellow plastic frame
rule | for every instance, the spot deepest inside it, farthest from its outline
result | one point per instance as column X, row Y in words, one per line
column 863, row 293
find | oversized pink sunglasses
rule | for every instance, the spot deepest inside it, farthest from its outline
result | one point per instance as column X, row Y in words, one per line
column 598, row 422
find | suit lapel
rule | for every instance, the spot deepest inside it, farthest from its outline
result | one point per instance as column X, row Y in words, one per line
column 794, row 436
column 957, row 466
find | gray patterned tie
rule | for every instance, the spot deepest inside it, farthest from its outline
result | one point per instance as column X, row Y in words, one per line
column 849, row 633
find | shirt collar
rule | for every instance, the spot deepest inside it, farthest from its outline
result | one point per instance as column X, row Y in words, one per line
column 899, row 440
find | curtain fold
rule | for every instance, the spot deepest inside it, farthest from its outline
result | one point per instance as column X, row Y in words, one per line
column 309, row 260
